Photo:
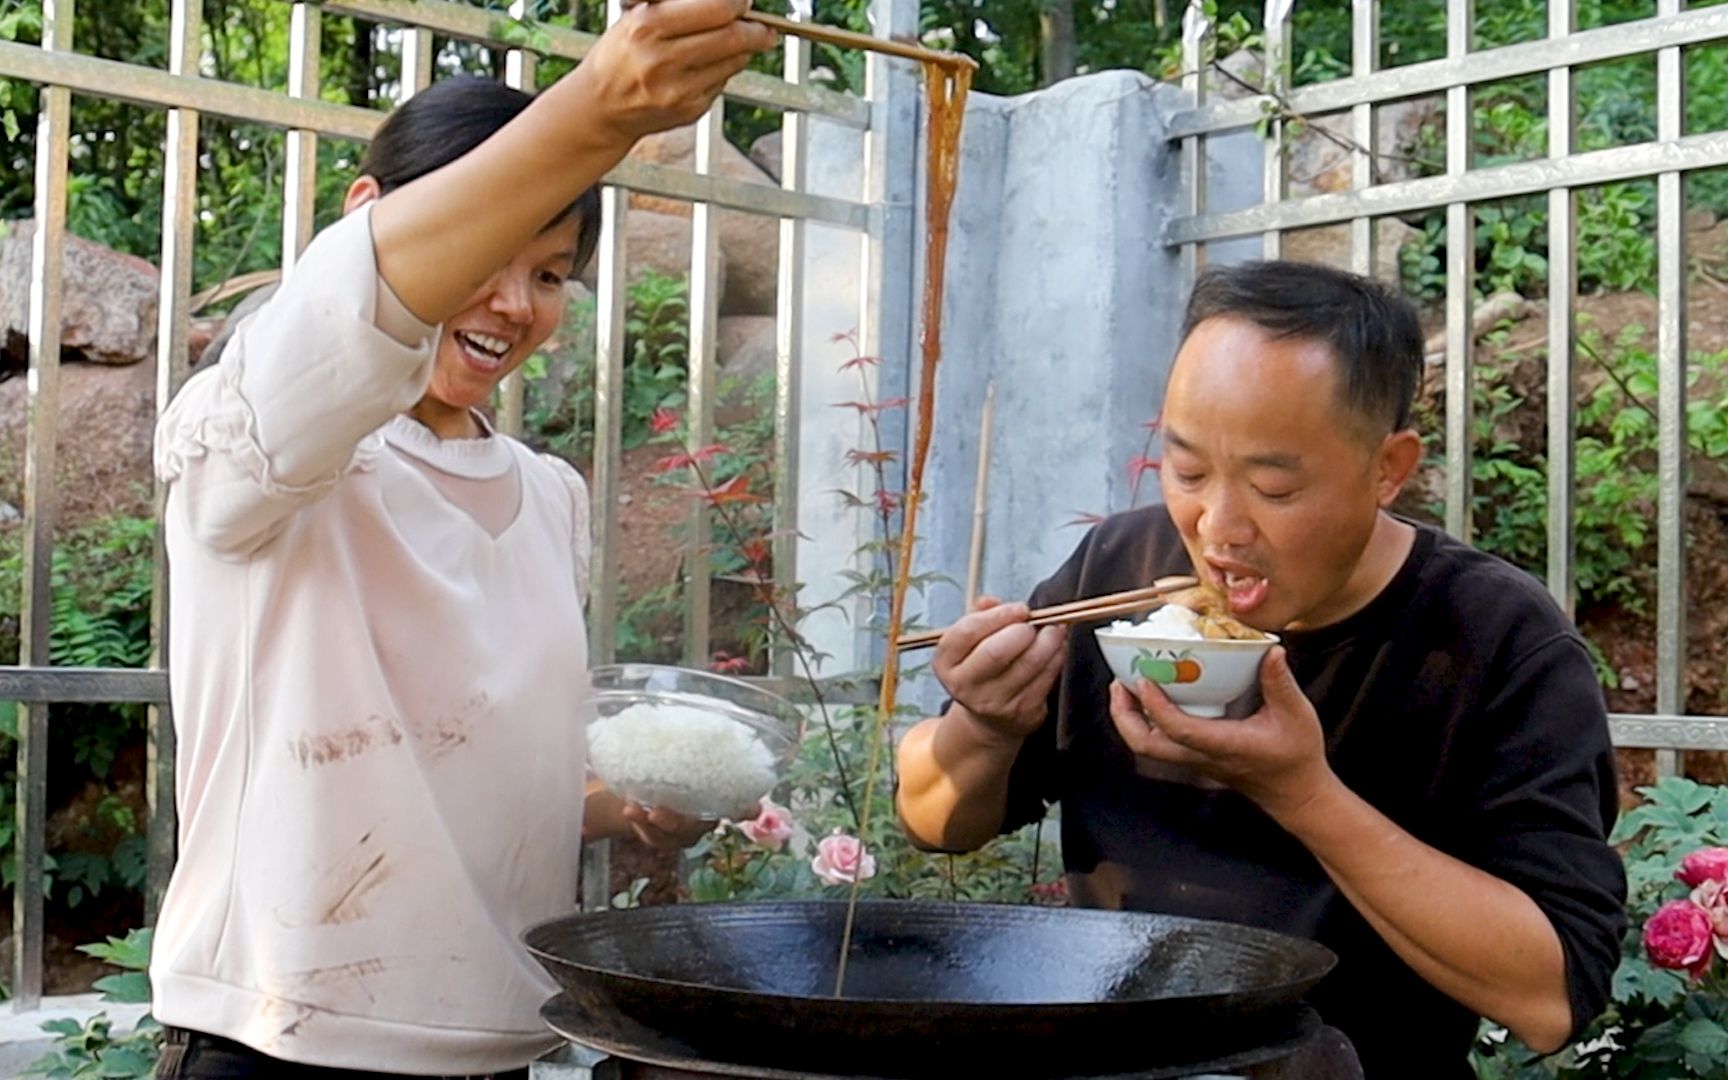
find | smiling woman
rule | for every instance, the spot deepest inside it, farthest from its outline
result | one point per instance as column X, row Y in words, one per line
column 378, row 653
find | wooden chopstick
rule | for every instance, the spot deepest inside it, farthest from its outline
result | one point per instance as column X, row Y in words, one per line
column 1092, row 609
column 851, row 39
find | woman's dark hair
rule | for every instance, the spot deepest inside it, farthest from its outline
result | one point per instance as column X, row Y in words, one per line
column 1374, row 333
column 446, row 120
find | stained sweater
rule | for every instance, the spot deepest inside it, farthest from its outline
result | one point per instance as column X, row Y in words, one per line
column 377, row 658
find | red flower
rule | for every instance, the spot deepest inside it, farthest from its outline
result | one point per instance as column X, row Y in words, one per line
column 1680, row 937
column 664, row 421
column 1707, row 864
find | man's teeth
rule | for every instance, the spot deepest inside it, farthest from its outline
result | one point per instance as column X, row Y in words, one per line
column 1235, row 581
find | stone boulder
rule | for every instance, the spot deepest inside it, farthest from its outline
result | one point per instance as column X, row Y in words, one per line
column 1317, row 161
column 745, row 350
column 1329, row 245
column 658, row 242
column 107, row 421
column 108, row 310
column 766, row 152
column 750, row 242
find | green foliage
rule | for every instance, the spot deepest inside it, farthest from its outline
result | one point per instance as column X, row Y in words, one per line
column 101, row 583
column 1615, row 461
column 91, row 1049
column 658, row 344
column 656, row 349
column 1659, row 1025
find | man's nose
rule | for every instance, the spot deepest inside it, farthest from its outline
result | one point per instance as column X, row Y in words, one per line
column 1224, row 521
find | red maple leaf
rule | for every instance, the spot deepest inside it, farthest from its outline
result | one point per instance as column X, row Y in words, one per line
column 664, row 421
column 1140, row 464
column 727, row 664
column 858, row 362
column 869, row 457
column 1081, row 517
column 734, row 490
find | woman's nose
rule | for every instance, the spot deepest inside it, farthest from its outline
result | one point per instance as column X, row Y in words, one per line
column 510, row 297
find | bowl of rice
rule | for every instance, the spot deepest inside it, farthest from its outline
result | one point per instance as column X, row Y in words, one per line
column 704, row 745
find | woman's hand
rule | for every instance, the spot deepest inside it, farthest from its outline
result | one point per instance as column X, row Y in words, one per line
column 662, row 65
column 663, row 829
column 608, row 816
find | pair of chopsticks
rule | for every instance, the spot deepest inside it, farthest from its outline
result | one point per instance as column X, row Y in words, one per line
column 851, row 39
column 1093, row 609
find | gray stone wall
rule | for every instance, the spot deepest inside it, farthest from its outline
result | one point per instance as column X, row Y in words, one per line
column 1060, row 293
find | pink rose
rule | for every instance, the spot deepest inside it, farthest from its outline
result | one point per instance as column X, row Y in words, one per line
column 1679, row 937
column 1707, row 864
column 1712, row 896
column 841, row 860
column 770, row 828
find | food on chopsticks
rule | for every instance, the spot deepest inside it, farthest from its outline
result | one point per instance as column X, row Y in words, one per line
column 1201, row 613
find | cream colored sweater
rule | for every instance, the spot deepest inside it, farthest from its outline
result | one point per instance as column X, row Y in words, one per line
column 376, row 695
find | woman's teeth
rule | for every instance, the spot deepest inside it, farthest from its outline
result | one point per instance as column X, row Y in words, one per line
column 485, row 349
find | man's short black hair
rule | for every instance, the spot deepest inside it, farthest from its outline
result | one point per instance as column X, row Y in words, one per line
column 1374, row 333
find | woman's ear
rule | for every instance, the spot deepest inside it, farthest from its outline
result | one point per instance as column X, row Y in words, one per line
column 360, row 192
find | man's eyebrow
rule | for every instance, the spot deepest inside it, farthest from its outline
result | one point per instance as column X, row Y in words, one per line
column 1287, row 462
column 1273, row 460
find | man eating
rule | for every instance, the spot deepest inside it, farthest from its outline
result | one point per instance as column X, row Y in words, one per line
column 1423, row 781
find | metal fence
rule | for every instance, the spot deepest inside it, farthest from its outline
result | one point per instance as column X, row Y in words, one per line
column 1667, row 159
column 881, row 116
column 882, row 213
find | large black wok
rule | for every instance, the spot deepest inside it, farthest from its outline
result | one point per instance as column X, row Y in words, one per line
column 932, row 989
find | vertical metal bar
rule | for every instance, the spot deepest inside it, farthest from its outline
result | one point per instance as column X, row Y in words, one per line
column 1364, row 54
column 789, row 340
column 609, row 317
column 418, row 60
column 1277, row 85
column 699, row 413
column 1460, row 263
column 43, row 394
column 1671, row 684
column 300, row 178
column 179, row 217
column 519, row 71
column 520, row 64
column 1196, row 44
column 1562, row 289
column 888, row 326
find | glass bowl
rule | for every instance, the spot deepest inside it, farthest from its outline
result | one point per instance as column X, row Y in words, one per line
column 704, row 745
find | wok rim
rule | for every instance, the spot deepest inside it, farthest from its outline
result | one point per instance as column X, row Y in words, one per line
column 1323, row 959
column 1304, row 1023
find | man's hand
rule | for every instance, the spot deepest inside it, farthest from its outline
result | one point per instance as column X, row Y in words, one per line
column 1277, row 756
column 999, row 669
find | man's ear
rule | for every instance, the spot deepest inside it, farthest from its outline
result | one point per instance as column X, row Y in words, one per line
column 1400, row 453
column 360, row 192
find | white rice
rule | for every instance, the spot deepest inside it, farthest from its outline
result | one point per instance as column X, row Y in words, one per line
column 1172, row 622
column 683, row 758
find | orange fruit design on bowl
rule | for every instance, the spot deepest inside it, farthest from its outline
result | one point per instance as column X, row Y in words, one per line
column 1166, row 669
